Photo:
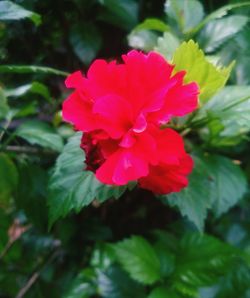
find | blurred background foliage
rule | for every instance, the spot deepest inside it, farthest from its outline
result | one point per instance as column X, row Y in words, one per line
column 95, row 252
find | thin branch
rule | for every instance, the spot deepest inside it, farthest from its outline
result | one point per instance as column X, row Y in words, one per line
column 34, row 277
column 28, row 149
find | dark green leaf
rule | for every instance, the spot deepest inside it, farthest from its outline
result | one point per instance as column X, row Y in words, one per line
column 219, row 13
column 163, row 292
column 202, row 260
column 121, row 13
column 86, row 42
column 194, row 200
column 218, row 31
column 216, row 183
column 229, row 111
column 71, row 187
column 83, row 286
column 9, row 178
column 40, row 133
column 115, row 283
column 31, row 193
column 139, row 259
column 10, row 11
column 230, row 183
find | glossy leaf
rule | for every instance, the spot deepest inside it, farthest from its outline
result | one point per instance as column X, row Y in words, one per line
column 216, row 183
column 115, row 283
column 10, row 11
column 194, row 270
column 210, row 79
column 230, row 183
column 228, row 117
column 219, row 13
column 34, row 87
column 219, row 31
column 71, row 187
column 139, row 259
column 194, row 200
column 40, row 133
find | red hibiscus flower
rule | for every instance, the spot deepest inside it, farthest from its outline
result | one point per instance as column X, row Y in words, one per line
column 120, row 108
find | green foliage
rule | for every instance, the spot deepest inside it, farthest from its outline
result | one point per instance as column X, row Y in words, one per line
column 86, row 42
column 71, row 188
column 43, row 176
column 40, row 133
column 219, row 31
column 9, row 179
column 216, row 183
column 209, row 78
column 139, row 258
column 10, row 11
column 31, row 69
column 181, row 13
column 167, row 45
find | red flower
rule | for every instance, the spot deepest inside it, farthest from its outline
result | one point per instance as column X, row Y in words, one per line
column 120, row 107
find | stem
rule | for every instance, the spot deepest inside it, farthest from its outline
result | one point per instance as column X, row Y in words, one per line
column 30, row 150
column 5, row 128
column 34, row 277
column 6, row 249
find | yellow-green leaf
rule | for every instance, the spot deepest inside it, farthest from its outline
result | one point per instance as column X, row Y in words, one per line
column 210, row 78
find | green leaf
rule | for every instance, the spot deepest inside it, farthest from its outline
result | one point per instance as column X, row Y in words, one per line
column 210, row 79
column 163, row 292
column 10, row 11
column 115, row 283
column 139, row 259
column 123, row 14
column 71, row 187
column 167, row 259
column 227, row 115
column 152, row 24
column 194, row 200
column 167, row 44
column 86, row 42
column 202, row 260
column 9, row 178
column 219, row 13
column 218, row 31
column 216, row 183
column 34, row 87
column 230, row 183
column 31, row 193
column 31, row 69
column 186, row 14
column 40, row 133
column 4, row 108
column 83, row 286
column 144, row 40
